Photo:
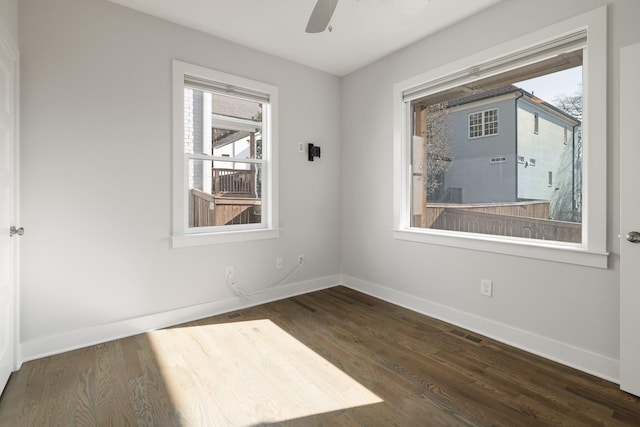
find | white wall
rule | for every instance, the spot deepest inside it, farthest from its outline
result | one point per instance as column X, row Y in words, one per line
column 96, row 175
column 566, row 312
column 96, row 126
column 9, row 17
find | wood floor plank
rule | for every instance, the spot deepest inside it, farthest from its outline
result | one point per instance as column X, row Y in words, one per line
column 333, row 357
column 156, row 401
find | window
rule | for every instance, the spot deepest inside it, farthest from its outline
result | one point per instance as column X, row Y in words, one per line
column 457, row 199
column 224, row 163
column 483, row 123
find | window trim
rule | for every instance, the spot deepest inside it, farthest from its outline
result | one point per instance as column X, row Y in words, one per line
column 593, row 249
column 182, row 235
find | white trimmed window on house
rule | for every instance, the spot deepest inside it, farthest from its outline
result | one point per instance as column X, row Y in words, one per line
column 531, row 203
column 224, row 167
column 483, row 123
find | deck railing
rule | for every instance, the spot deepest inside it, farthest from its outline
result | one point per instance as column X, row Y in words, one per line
column 234, row 181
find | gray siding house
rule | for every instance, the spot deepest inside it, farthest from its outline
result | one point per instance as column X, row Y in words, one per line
column 509, row 146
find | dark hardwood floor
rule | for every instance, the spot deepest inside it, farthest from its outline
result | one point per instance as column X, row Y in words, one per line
column 330, row 358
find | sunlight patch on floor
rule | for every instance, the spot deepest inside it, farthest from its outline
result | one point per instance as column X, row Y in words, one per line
column 247, row 373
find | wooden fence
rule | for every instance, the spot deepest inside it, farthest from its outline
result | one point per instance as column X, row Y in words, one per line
column 209, row 210
column 470, row 221
column 540, row 210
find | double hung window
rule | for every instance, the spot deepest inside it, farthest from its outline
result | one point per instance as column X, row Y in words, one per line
column 483, row 123
column 224, row 162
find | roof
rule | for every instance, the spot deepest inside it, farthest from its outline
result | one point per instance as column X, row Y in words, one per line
column 507, row 90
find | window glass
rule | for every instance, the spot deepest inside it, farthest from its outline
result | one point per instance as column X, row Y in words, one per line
column 217, row 127
column 502, row 155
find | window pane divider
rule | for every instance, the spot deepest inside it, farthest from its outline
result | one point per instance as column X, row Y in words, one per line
column 198, row 156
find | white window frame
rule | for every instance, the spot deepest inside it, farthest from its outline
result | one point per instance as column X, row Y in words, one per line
column 182, row 234
column 593, row 249
column 483, row 123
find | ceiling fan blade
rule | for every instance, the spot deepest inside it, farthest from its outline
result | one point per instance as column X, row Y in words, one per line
column 321, row 16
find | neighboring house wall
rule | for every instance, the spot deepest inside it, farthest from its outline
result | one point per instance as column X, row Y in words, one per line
column 193, row 140
column 471, row 169
column 546, row 170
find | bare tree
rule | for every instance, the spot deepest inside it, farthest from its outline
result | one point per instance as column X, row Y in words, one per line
column 572, row 105
column 438, row 149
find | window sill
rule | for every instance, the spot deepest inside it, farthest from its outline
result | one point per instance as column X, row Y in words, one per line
column 542, row 250
column 202, row 239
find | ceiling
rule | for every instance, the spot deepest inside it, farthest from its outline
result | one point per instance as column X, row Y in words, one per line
column 363, row 30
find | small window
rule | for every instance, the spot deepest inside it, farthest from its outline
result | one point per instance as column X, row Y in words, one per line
column 536, row 123
column 521, row 159
column 224, row 172
column 550, row 183
column 483, row 123
column 475, row 125
column 532, row 162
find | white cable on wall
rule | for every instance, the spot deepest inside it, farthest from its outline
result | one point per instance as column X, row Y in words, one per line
column 245, row 295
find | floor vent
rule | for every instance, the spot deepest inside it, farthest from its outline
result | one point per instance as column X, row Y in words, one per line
column 466, row 336
column 474, row 339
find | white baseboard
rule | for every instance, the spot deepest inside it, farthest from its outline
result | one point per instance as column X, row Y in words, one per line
column 578, row 358
column 72, row 340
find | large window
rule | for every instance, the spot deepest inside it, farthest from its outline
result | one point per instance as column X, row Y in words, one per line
column 504, row 155
column 223, row 157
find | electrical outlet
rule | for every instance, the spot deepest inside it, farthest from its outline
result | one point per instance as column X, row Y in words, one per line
column 228, row 272
column 300, row 259
column 486, row 287
column 279, row 263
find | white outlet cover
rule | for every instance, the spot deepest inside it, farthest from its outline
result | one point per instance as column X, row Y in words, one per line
column 486, row 287
column 228, row 272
